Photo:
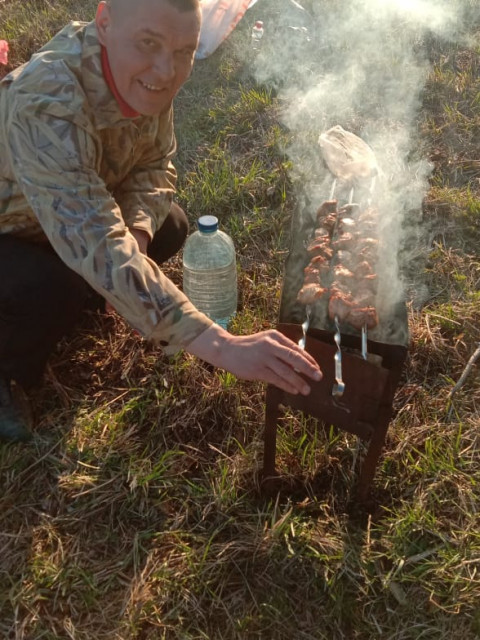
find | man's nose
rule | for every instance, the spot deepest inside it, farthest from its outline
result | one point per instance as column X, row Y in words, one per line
column 163, row 66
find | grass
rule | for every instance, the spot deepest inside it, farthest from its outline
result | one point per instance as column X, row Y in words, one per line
column 135, row 513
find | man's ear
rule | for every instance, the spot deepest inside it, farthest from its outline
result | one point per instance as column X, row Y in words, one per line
column 103, row 21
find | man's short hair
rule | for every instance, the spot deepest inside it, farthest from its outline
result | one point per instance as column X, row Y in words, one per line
column 180, row 5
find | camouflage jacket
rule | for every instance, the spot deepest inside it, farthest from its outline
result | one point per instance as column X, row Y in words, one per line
column 77, row 173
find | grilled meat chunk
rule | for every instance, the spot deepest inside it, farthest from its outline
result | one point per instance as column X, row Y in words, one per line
column 329, row 206
column 339, row 306
column 345, row 241
column 310, row 293
column 360, row 317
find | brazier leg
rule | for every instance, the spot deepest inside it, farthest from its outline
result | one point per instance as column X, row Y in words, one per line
column 272, row 413
column 375, row 447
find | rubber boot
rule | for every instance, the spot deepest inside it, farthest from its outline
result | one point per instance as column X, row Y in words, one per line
column 12, row 425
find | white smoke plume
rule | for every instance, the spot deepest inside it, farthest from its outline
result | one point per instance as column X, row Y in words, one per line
column 361, row 64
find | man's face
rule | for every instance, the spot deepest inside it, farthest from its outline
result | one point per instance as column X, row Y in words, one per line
column 150, row 47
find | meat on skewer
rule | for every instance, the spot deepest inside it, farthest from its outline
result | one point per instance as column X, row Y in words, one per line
column 369, row 282
column 367, row 242
column 329, row 206
column 367, row 252
column 344, row 276
column 328, row 222
column 321, row 233
column 346, row 258
column 339, row 306
column 360, row 317
column 321, row 252
column 320, row 262
column 345, row 240
column 364, row 297
column 368, row 215
column 349, row 210
column 310, row 293
column 353, row 290
column 346, row 224
column 315, row 271
column 363, row 269
column 318, row 246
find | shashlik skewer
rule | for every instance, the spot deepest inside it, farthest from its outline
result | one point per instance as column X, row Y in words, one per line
column 353, row 271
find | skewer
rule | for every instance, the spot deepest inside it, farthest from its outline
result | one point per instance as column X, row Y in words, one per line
column 364, row 342
column 339, row 386
column 332, row 191
column 371, row 189
column 364, row 328
column 308, row 309
column 305, row 324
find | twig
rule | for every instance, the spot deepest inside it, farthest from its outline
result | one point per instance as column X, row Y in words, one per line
column 466, row 371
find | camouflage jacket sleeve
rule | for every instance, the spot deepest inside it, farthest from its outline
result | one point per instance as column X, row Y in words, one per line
column 55, row 155
column 146, row 194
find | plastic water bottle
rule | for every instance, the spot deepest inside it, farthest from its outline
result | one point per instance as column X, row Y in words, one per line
column 257, row 35
column 210, row 271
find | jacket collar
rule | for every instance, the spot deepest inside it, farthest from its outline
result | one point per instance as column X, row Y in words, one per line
column 106, row 108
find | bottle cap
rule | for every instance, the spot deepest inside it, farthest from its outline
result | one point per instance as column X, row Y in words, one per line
column 259, row 24
column 207, row 224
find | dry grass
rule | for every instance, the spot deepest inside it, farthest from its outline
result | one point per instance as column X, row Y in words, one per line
column 135, row 513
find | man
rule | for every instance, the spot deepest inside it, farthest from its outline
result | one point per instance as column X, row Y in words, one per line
column 86, row 199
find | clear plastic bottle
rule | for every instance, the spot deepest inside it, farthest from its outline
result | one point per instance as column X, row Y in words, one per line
column 257, row 35
column 210, row 271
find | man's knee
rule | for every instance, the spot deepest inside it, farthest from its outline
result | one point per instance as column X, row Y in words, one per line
column 178, row 221
column 171, row 236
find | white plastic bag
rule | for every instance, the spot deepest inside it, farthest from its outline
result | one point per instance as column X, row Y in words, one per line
column 219, row 18
column 347, row 156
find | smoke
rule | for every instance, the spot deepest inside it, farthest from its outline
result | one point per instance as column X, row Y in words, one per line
column 361, row 64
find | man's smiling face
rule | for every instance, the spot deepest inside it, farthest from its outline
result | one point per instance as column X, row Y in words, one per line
column 150, row 46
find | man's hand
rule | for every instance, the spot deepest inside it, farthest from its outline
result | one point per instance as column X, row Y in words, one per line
column 268, row 356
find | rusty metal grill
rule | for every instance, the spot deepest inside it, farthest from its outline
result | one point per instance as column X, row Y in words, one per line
column 371, row 367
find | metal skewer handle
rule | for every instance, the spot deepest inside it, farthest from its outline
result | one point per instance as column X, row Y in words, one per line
column 339, row 386
column 305, row 324
column 364, row 342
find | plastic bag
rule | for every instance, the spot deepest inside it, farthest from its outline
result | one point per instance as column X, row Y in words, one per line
column 219, row 18
column 347, row 156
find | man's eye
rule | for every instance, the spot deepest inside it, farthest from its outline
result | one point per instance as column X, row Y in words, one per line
column 148, row 43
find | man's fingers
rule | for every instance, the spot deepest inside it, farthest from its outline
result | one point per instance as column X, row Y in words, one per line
column 286, row 384
column 301, row 362
column 295, row 352
column 290, row 380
